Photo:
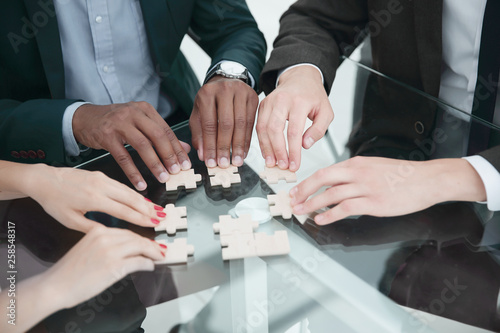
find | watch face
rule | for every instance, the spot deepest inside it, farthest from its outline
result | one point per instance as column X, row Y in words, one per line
column 233, row 68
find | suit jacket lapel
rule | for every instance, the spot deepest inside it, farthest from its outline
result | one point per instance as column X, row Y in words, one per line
column 49, row 44
column 428, row 29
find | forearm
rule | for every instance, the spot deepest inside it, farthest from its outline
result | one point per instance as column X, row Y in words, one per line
column 30, row 302
column 16, row 179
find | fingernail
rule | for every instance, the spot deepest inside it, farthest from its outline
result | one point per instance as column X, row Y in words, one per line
column 186, row 165
column 161, row 214
column 211, row 163
column 163, row 254
column 319, row 218
column 293, row 166
column 269, row 161
column 224, row 162
column 147, row 200
column 158, row 208
column 155, row 221
column 163, row 246
column 141, row 186
column 237, row 160
column 308, row 142
column 293, row 191
column 175, row 168
column 298, row 208
column 163, row 177
column 281, row 164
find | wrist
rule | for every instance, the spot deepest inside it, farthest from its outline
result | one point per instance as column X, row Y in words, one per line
column 305, row 73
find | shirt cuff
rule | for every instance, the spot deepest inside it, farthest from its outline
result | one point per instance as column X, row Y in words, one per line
column 250, row 76
column 297, row 65
column 491, row 180
column 70, row 144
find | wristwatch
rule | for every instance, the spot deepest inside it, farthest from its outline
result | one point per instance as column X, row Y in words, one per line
column 229, row 69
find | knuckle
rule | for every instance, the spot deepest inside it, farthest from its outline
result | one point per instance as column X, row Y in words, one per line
column 122, row 159
column 226, row 125
column 141, row 143
column 240, row 123
column 210, row 127
column 170, row 157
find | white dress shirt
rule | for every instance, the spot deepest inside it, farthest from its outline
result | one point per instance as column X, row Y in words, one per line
column 461, row 33
column 106, row 58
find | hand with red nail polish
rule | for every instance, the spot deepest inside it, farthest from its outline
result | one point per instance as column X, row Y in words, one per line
column 101, row 258
column 67, row 194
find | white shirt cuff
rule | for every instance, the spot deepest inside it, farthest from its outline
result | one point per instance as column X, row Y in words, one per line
column 250, row 76
column 297, row 65
column 70, row 144
column 491, row 180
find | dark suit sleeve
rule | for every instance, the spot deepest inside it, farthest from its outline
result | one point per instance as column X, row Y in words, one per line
column 226, row 30
column 492, row 155
column 32, row 126
column 316, row 32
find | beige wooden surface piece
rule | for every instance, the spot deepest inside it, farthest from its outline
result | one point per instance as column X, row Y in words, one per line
column 224, row 177
column 272, row 245
column 177, row 252
column 275, row 174
column 237, row 246
column 186, row 178
column 175, row 219
column 280, row 204
column 227, row 225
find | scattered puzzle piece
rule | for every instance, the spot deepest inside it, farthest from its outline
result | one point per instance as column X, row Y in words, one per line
column 281, row 202
column 274, row 174
column 246, row 245
column 174, row 221
column 186, row 178
column 242, row 225
column 224, row 177
column 272, row 245
column 177, row 252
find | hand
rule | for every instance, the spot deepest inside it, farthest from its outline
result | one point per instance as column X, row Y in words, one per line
column 299, row 95
column 138, row 124
column 222, row 121
column 101, row 258
column 386, row 187
column 67, row 194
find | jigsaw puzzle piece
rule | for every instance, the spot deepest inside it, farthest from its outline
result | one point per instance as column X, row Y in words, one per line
column 224, row 177
column 242, row 225
column 186, row 178
column 271, row 245
column 238, row 246
column 175, row 219
column 274, row 174
column 177, row 252
column 280, row 204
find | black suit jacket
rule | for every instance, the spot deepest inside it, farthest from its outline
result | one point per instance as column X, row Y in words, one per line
column 406, row 45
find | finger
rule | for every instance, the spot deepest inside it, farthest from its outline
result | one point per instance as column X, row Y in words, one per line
column 275, row 128
column 331, row 176
column 333, row 195
column 240, row 128
column 135, row 264
column 262, row 134
column 209, row 125
column 81, row 223
column 350, row 207
column 196, row 133
column 319, row 126
column 140, row 246
column 225, row 116
column 185, row 146
column 122, row 157
column 136, row 138
column 294, row 136
column 252, row 104
column 124, row 212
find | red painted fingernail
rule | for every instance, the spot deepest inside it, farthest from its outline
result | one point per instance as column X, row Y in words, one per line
column 163, row 254
column 161, row 214
column 147, row 200
column 158, row 207
column 163, row 246
column 155, row 221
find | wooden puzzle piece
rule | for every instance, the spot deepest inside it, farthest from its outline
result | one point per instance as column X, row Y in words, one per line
column 224, row 177
column 280, row 204
column 177, row 252
column 175, row 219
column 238, row 246
column 274, row 174
column 242, row 225
column 186, row 178
column 271, row 245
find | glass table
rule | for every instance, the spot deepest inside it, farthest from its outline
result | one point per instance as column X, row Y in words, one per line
column 432, row 271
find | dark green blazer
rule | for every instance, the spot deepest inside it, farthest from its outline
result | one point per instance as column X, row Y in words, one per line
column 406, row 45
column 32, row 88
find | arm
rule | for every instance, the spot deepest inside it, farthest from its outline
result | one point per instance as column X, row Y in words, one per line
column 224, row 109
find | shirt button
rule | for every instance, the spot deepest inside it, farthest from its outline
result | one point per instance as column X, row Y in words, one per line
column 105, row 69
column 98, row 19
